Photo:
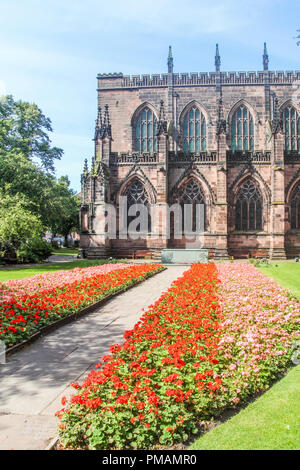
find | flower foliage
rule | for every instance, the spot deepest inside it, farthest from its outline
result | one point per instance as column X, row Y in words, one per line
column 149, row 388
column 261, row 321
column 58, row 279
column 30, row 304
column 215, row 338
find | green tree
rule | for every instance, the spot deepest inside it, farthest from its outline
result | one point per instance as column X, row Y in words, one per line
column 65, row 205
column 18, row 175
column 52, row 200
column 18, row 224
column 26, row 178
column 24, row 129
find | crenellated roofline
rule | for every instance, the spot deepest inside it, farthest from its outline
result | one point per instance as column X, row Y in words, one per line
column 118, row 80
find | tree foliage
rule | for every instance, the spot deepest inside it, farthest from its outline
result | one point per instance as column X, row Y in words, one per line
column 64, row 214
column 18, row 224
column 52, row 200
column 24, row 129
column 32, row 200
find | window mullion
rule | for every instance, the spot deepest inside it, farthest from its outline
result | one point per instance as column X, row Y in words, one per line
column 237, row 132
column 195, row 130
column 290, row 130
column 248, row 128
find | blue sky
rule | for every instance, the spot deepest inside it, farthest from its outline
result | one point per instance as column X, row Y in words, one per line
column 51, row 51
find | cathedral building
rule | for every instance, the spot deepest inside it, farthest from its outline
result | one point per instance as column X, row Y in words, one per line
column 227, row 140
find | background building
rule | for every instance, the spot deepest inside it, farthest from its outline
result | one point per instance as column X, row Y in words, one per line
column 229, row 140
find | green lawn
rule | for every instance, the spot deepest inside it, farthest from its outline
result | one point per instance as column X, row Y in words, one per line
column 286, row 274
column 65, row 251
column 22, row 272
column 272, row 422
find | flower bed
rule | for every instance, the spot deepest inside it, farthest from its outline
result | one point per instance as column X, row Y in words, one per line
column 201, row 348
column 261, row 322
column 18, row 287
column 150, row 388
column 22, row 316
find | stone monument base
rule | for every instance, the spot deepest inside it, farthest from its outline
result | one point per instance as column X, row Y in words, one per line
column 180, row 256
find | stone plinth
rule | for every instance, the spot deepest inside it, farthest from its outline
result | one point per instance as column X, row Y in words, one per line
column 177, row 256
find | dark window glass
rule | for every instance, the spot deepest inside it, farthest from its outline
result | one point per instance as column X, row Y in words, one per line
column 291, row 127
column 248, row 208
column 192, row 194
column 295, row 208
column 242, row 130
column 136, row 194
column 145, row 131
column 194, row 131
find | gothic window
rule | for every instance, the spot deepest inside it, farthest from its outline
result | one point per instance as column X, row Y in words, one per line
column 194, row 131
column 145, row 131
column 291, row 126
column 192, row 194
column 248, row 209
column 136, row 194
column 242, row 130
column 295, row 208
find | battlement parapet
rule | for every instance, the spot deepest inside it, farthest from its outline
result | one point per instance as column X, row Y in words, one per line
column 132, row 157
column 118, row 80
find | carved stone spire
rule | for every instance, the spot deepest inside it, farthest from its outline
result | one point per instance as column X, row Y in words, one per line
column 265, row 58
column 217, row 59
column 162, row 123
column 99, row 123
column 105, row 130
column 221, row 122
column 170, row 61
column 85, row 167
column 93, row 165
column 276, row 124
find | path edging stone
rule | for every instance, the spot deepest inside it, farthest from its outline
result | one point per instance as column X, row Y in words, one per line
column 53, row 443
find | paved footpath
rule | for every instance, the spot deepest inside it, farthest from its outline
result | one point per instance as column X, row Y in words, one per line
column 34, row 379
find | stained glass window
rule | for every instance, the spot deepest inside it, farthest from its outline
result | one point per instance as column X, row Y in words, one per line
column 145, row 131
column 136, row 194
column 295, row 208
column 291, row 126
column 248, row 209
column 192, row 194
column 194, row 131
column 242, row 130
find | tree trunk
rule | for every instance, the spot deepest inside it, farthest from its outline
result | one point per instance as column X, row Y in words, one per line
column 66, row 243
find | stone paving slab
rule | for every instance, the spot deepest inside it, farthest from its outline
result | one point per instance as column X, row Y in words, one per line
column 34, row 379
column 31, row 388
column 30, row 431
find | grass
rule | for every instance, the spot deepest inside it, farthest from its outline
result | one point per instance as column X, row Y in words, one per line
column 22, row 272
column 287, row 274
column 272, row 422
column 65, row 251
